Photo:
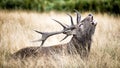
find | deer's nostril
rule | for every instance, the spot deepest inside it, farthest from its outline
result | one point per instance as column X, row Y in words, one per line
column 92, row 23
column 90, row 15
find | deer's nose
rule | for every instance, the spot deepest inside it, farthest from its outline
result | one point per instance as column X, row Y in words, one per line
column 90, row 14
column 94, row 22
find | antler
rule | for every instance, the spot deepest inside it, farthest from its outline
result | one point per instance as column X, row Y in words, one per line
column 78, row 16
column 66, row 29
column 72, row 24
column 45, row 35
column 69, row 27
column 71, row 19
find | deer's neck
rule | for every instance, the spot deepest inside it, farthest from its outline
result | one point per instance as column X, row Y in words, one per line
column 81, row 44
column 80, row 41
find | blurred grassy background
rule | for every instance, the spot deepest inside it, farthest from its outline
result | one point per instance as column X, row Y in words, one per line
column 16, row 32
column 109, row 6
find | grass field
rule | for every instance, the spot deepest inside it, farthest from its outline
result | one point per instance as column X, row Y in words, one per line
column 16, row 32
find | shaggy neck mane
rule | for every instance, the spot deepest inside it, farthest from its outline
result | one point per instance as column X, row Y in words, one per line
column 81, row 45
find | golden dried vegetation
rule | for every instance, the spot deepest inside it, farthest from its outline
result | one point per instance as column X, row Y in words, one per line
column 16, row 32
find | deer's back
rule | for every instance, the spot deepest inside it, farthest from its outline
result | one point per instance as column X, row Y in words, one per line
column 40, row 51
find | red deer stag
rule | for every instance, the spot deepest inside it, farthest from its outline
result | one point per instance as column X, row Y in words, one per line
column 80, row 43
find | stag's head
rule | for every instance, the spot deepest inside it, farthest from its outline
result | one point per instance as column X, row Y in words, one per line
column 84, row 28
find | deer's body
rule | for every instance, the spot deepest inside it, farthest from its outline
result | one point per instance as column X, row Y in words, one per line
column 73, row 47
column 80, row 42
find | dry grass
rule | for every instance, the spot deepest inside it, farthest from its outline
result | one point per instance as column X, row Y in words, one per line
column 16, row 32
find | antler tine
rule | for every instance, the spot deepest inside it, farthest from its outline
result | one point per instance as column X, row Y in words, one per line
column 38, row 32
column 71, row 19
column 60, row 23
column 64, row 38
column 45, row 35
column 78, row 16
column 68, row 33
